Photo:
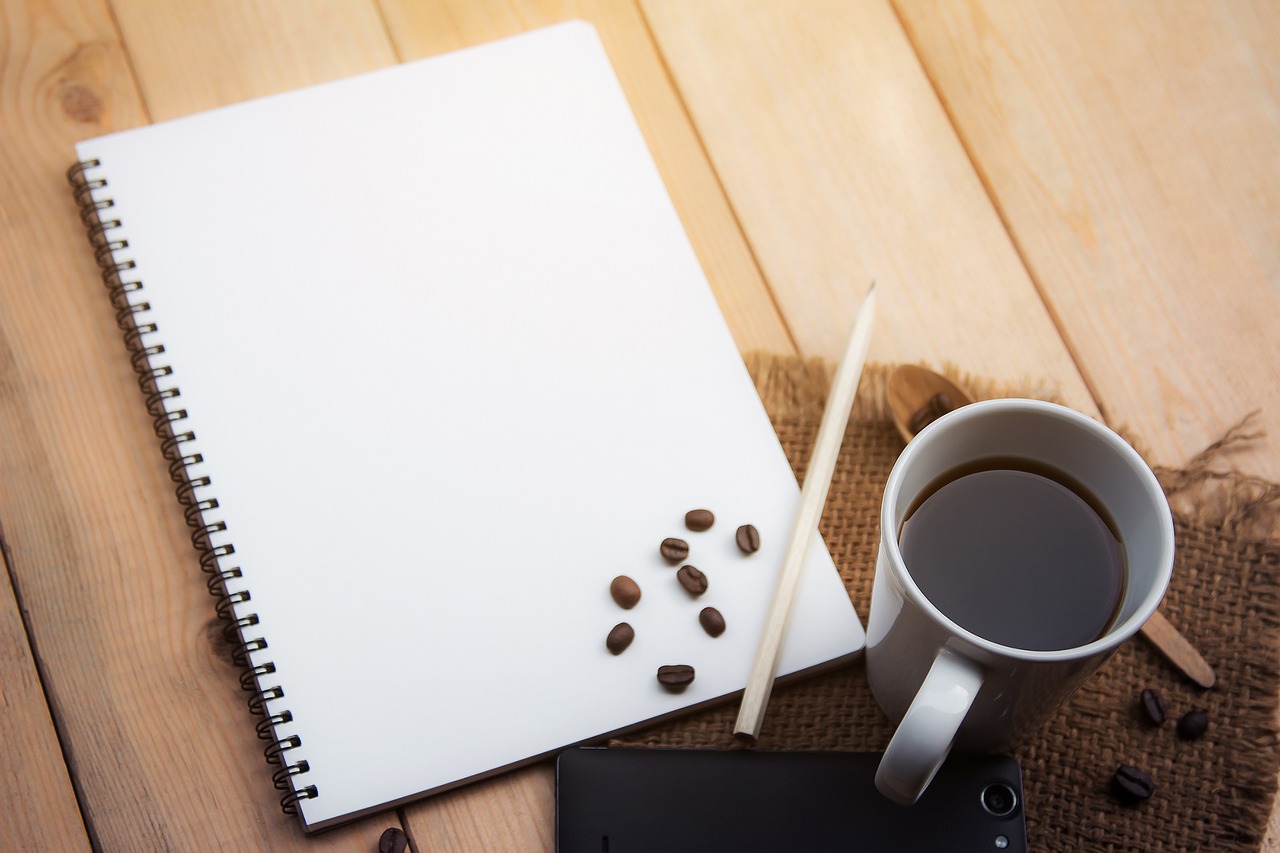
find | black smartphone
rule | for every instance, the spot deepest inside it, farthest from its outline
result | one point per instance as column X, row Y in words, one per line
column 673, row 800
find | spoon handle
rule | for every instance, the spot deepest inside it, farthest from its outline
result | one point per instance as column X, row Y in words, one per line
column 1178, row 650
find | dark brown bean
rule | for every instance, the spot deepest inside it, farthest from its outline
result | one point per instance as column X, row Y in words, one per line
column 699, row 520
column 921, row 418
column 693, row 581
column 1153, row 705
column 748, row 539
column 625, row 591
column 939, row 404
column 1131, row 785
column 393, row 841
column 675, row 677
column 673, row 550
column 1193, row 724
column 711, row 620
column 619, row 638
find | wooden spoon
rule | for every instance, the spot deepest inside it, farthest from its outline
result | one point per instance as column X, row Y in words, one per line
column 918, row 396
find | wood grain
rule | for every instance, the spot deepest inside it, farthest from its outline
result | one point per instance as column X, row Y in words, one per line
column 45, row 49
column 40, row 810
column 190, row 57
column 1131, row 149
column 843, row 168
column 515, row 811
column 56, row 56
column 155, row 727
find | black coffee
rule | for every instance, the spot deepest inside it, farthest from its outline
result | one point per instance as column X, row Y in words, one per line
column 1010, row 552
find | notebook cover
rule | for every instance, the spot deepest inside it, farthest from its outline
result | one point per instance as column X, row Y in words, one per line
column 451, row 366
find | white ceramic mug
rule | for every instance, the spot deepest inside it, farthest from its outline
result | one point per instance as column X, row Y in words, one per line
column 947, row 685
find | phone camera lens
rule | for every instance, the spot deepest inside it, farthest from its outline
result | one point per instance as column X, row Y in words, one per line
column 999, row 799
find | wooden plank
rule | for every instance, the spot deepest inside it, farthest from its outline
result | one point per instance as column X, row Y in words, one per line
column 426, row 28
column 39, row 810
column 843, row 168
column 60, row 52
column 1134, row 152
column 515, row 811
column 156, row 732
column 195, row 56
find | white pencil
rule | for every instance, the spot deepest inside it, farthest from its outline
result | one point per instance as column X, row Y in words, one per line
column 813, row 496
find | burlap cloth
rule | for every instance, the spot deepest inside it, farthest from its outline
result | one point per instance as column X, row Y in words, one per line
column 1211, row 794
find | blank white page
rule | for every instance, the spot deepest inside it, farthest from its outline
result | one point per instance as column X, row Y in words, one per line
column 453, row 366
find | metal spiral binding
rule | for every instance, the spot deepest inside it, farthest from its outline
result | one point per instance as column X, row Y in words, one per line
column 129, row 317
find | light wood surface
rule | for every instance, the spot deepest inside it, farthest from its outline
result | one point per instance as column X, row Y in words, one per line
column 1082, row 192
column 1132, row 151
column 45, row 805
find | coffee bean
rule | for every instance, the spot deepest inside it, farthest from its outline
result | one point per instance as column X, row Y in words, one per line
column 674, row 550
column 1131, row 785
column 698, row 520
column 675, row 678
column 748, row 539
column 922, row 417
column 619, row 638
column 694, row 581
column 1153, row 704
column 393, row 841
column 939, row 404
column 1193, row 724
column 711, row 620
column 625, row 591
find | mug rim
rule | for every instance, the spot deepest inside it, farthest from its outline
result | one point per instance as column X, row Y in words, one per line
column 1113, row 638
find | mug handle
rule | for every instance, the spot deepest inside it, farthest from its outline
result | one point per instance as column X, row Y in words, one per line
column 928, row 729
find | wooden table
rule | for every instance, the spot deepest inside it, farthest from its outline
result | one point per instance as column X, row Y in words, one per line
column 1082, row 192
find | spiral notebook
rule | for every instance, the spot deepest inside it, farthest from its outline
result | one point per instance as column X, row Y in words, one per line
column 432, row 362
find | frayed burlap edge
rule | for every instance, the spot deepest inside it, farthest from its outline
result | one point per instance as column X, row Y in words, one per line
column 1206, row 490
